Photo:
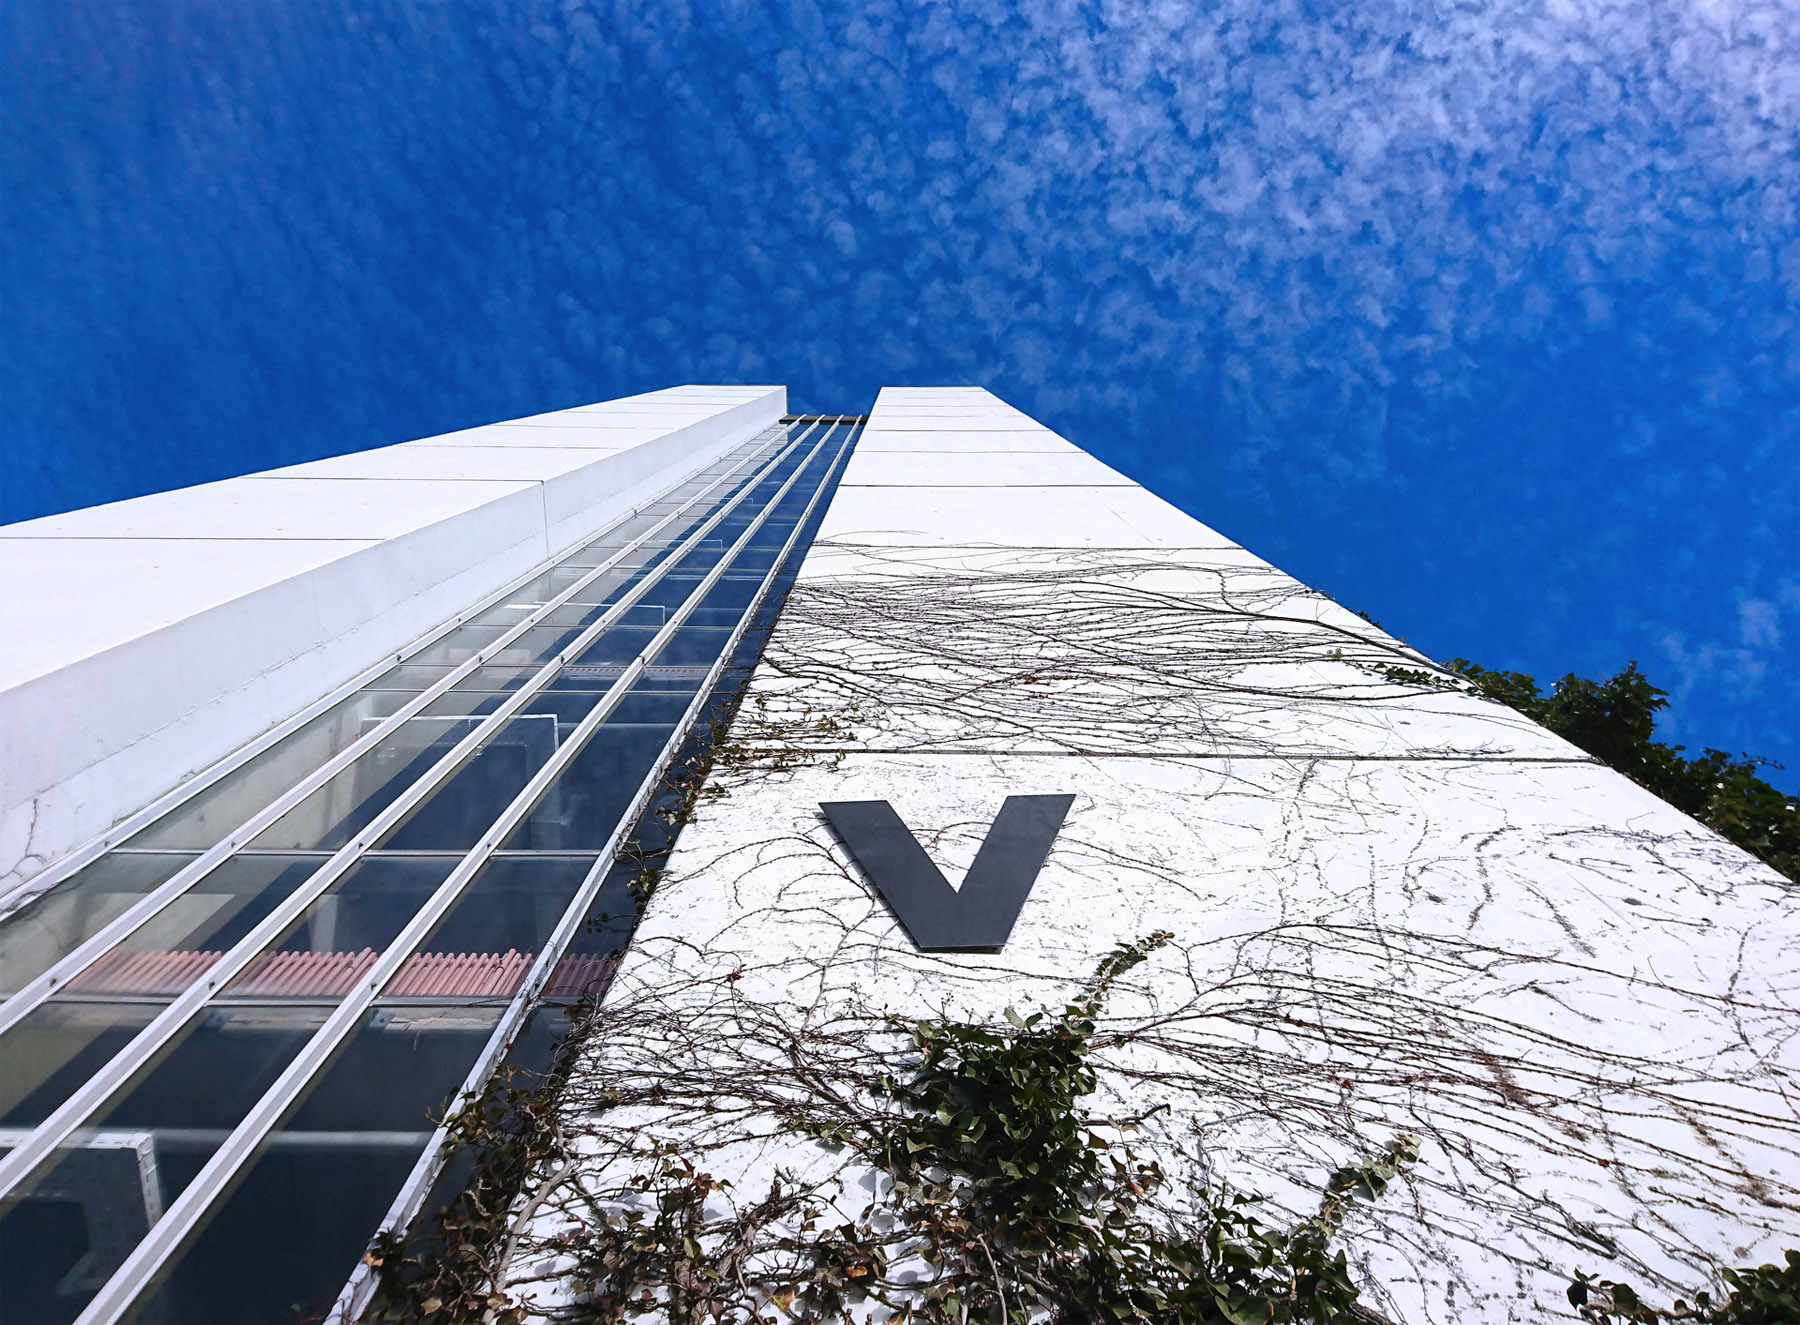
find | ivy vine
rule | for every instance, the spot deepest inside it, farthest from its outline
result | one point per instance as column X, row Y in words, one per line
column 1760, row 1295
column 1003, row 1201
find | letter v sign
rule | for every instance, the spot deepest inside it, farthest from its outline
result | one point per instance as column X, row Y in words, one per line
column 941, row 918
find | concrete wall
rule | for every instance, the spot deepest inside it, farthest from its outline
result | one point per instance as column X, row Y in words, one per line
column 149, row 638
column 1395, row 906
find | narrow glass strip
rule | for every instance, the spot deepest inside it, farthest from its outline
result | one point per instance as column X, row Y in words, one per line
column 115, row 927
column 15, row 1164
column 168, row 1235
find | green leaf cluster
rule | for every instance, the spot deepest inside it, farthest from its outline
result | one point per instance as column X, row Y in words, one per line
column 1025, row 1211
column 1761, row 1295
column 1615, row 721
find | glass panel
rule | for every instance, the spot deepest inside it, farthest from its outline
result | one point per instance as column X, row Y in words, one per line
column 583, row 805
column 459, row 645
column 536, row 646
column 40, row 934
column 692, row 647
column 604, row 588
column 717, row 617
column 485, row 946
column 756, row 558
column 774, row 531
column 90, row 1202
column 55, row 1048
column 473, row 696
column 598, row 554
column 618, row 645
column 497, row 679
column 529, row 597
column 534, row 1051
column 733, row 592
column 208, row 817
column 179, row 943
column 588, row 963
column 284, row 1243
column 641, row 706
column 567, row 708
column 411, row 677
column 464, row 807
column 592, row 679
column 340, row 935
column 455, row 816
column 670, row 680
column 641, row 616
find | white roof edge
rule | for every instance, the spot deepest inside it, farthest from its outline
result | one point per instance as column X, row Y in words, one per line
column 155, row 635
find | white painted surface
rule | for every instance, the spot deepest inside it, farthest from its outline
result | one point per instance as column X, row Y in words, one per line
column 450, row 463
column 149, row 638
column 1047, row 516
column 987, row 469
column 1000, row 440
column 1395, row 907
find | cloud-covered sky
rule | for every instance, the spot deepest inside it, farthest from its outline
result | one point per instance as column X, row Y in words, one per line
column 1479, row 316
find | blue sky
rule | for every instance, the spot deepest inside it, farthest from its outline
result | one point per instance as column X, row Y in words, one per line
column 1480, row 317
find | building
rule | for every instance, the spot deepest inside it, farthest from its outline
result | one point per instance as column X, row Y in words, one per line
column 330, row 789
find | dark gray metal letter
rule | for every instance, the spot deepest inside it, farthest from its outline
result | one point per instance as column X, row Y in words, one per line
column 939, row 917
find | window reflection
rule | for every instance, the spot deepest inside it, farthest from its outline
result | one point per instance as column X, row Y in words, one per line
column 281, row 1247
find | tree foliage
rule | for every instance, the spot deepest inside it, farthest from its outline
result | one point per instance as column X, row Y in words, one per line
column 1615, row 721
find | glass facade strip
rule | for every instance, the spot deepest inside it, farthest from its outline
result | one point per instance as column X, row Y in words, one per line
column 143, row 1148
column 580, row 957
column 189, row 1210
column 494, row 928
column 755, row 453
column 107, row 1078
column 71, row 1112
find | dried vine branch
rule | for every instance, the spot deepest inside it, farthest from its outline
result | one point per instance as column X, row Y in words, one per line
column 1363, row 949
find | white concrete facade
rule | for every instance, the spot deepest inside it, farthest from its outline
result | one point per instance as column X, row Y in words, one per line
column 150, row 638
column 1396, row 907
